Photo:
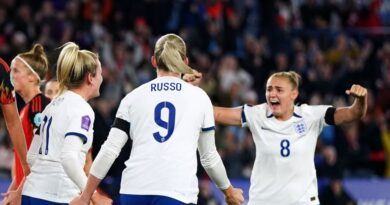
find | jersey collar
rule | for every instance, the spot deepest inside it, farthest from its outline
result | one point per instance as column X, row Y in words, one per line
column 297, row 112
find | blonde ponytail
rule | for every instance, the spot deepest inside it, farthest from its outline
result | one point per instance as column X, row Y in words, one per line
column 170, row 53
column 73, row 65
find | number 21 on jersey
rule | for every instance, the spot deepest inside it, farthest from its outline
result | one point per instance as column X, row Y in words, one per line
column 45, row 133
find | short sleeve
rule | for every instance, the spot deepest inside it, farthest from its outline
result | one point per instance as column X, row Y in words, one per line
column 246, row 116
column 123, row 109
column 318, row 112
column 81, row 124
column 7, row 94
column 208, row 121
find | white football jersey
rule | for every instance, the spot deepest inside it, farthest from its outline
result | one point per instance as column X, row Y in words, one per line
column 284, row 172
column 68, row 115
column 166, row 116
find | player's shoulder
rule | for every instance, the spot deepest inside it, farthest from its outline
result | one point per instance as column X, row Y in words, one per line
column 75, row 103
column 39, row 102
column 311, row 110
column 196, row 90
column 257, row 111
column 136, row 93
column 259, row 107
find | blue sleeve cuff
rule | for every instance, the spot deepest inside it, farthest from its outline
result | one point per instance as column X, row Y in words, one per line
column 82, row 137
column 208, row 129
column 243, row 117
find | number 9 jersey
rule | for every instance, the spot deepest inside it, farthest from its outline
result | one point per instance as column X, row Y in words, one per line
column 68, row 115
column 166, row 116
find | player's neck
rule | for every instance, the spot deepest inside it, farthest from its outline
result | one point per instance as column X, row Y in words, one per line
column 29, row 94
column 285, row 116
column 163, row 73
column 84, row 93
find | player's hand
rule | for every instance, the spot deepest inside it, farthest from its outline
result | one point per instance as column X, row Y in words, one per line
column 79, row 201
column 12, row 198
column 193, row 78
column 233, row 196
column 357, row 91
column 101, row 199
column 5, row 198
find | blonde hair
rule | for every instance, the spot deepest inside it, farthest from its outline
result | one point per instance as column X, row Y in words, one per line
column 36, row 60
column 170, row 53
column 293, row 77
column 73, row 65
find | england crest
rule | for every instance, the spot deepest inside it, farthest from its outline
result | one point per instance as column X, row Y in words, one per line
column 300, row 128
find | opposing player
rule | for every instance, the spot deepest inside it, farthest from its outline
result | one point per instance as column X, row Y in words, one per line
column 66, row 131
column 27, row 72
column 11, row 115
column 167, row 119
column 285, row 136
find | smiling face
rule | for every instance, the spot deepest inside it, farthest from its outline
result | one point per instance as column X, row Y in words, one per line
column 97, row 79
column 280, row 95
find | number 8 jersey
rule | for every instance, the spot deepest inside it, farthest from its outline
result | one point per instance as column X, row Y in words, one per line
column 284, row 171
column 68, row 115
column 166, row 116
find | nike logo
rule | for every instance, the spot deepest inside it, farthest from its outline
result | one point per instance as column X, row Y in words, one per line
column 265, row 128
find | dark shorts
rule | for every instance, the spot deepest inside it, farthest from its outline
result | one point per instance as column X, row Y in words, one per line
column 129, row 199
column 28, row 200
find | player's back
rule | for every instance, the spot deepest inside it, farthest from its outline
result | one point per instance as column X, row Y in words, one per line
column 166, row 116
column 62, row 116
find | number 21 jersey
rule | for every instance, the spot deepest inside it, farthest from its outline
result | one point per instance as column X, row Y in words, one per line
column 68, row 115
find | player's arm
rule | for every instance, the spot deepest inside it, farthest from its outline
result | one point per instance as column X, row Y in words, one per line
column 33, row 152
column 228, row 116
column 109, row 151
column 88, row 162
column 358, row 108
column 70, row 160
column 212, row 163
column 15, row 130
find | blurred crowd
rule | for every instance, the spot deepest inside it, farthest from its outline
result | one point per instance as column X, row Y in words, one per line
column 236, row 44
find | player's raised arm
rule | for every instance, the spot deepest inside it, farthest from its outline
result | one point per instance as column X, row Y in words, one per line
column 358, row 108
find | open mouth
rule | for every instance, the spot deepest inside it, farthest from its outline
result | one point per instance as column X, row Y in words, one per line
column 274, row 103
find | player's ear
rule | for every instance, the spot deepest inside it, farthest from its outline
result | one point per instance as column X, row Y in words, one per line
column 294, row 94
column 186, row 61
column 89, row 78
column 154, row 62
